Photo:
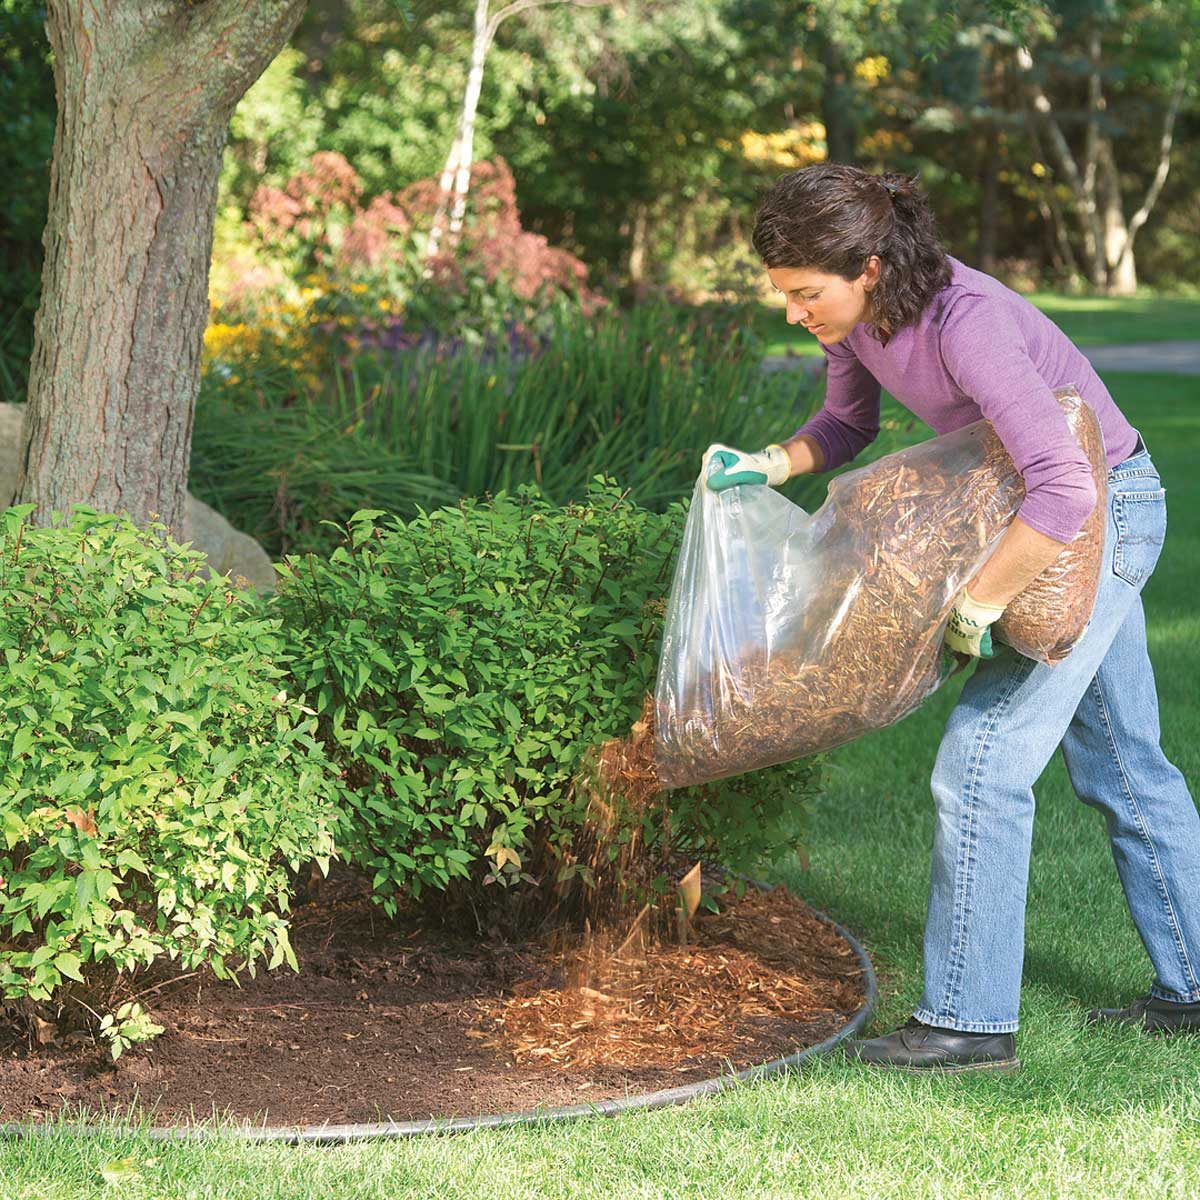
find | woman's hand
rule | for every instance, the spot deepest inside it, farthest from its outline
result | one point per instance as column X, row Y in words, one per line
column 969, row 631
column 770, row 466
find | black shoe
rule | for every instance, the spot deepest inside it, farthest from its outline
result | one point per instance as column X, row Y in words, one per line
column 919, row 1047
column 1152, row 1015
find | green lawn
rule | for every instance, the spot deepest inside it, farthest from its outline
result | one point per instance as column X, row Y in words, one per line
column 1096, row 1113
column 1088, row 321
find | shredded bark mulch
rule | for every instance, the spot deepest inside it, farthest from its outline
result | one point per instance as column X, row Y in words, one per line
column 388, row 1019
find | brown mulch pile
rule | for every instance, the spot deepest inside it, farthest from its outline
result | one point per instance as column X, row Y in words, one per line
column 664, row 1007
column 388, row 1019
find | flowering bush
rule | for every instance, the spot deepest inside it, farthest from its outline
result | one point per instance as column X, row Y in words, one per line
column 280, row 351
column 494, row 242
column 319, row 220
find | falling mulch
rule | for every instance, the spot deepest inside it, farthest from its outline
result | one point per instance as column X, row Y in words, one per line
column 390, row 1019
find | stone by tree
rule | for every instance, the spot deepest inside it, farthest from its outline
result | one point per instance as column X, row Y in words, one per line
column 145, row 90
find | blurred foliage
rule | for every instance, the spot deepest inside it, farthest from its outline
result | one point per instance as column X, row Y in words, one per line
column 641, row 132
column 344, row 400
column 26, row 139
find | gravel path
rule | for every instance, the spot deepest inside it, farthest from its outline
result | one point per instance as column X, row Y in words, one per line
column 1166, row 358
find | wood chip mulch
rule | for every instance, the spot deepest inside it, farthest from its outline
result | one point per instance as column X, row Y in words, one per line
column 755, row 959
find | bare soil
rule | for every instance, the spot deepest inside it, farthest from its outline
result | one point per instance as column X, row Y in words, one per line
column 389, row 1019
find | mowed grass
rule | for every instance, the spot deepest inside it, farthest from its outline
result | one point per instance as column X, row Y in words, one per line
column 1086, row 320
column 1094, row 1113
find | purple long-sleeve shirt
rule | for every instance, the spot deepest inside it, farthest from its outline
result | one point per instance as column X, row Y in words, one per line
column 978, row 350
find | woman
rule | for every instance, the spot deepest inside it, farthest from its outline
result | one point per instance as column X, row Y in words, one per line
column 858, row 259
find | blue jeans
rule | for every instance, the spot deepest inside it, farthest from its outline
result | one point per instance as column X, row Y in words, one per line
column 1100, row 704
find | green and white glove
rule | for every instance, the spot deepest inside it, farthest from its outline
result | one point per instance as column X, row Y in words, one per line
column 770, row 466
column 969, row 631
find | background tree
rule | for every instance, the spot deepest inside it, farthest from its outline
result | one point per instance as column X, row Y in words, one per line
column 1127, row 53
column 641, row 134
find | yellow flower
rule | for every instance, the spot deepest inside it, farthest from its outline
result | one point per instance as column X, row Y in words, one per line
column 230, row 341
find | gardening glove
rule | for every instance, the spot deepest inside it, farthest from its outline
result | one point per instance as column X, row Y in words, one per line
column 969, row 631
column 770, row 466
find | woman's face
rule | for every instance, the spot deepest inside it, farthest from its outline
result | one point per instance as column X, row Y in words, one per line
column 826, row 305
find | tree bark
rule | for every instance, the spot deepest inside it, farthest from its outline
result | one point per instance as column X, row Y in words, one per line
column 145, row 90
column 637, row 246
column 1091, row 162
column 456, row 174
column 1122, row 274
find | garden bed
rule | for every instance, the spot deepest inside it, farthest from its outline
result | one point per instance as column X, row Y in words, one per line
column 392, row 1019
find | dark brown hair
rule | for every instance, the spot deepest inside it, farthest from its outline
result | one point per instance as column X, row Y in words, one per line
column 832, row 217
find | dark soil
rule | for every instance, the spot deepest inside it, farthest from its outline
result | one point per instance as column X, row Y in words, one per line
column 384, row 1021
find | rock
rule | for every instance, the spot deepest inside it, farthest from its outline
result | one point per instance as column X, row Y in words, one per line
column 228, row 551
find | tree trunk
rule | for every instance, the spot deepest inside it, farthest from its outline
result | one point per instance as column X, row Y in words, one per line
column 456, row 174
column 1081, row 181
column 145, row 90
column 637, row 246
column 837, row 103
column 1119, row 235
column 466, row 136
column 457, row 171
column 989, row 186
column 1118, row 246
column 1091, row 161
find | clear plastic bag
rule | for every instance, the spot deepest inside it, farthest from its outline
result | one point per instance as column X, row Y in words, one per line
column 788, row 633
column 1046, row 620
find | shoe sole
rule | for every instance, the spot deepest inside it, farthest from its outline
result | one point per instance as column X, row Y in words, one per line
column 1002, row 1066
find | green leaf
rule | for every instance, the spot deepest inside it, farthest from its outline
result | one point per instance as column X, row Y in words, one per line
column 69, row 964
column 621, row 629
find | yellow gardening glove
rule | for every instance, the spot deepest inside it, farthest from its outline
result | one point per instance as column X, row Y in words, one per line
column 969, row 631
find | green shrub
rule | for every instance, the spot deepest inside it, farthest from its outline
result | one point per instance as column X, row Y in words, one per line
column 463, row 665
column 156, row 775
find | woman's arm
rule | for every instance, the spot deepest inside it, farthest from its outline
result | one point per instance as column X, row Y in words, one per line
column 1021, row 555
column 984, row 351
column 848, row 420
column 804, row 453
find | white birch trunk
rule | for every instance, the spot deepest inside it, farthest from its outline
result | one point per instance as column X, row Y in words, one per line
column 1119, row 235
column 466, row 137
column 456, row 174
